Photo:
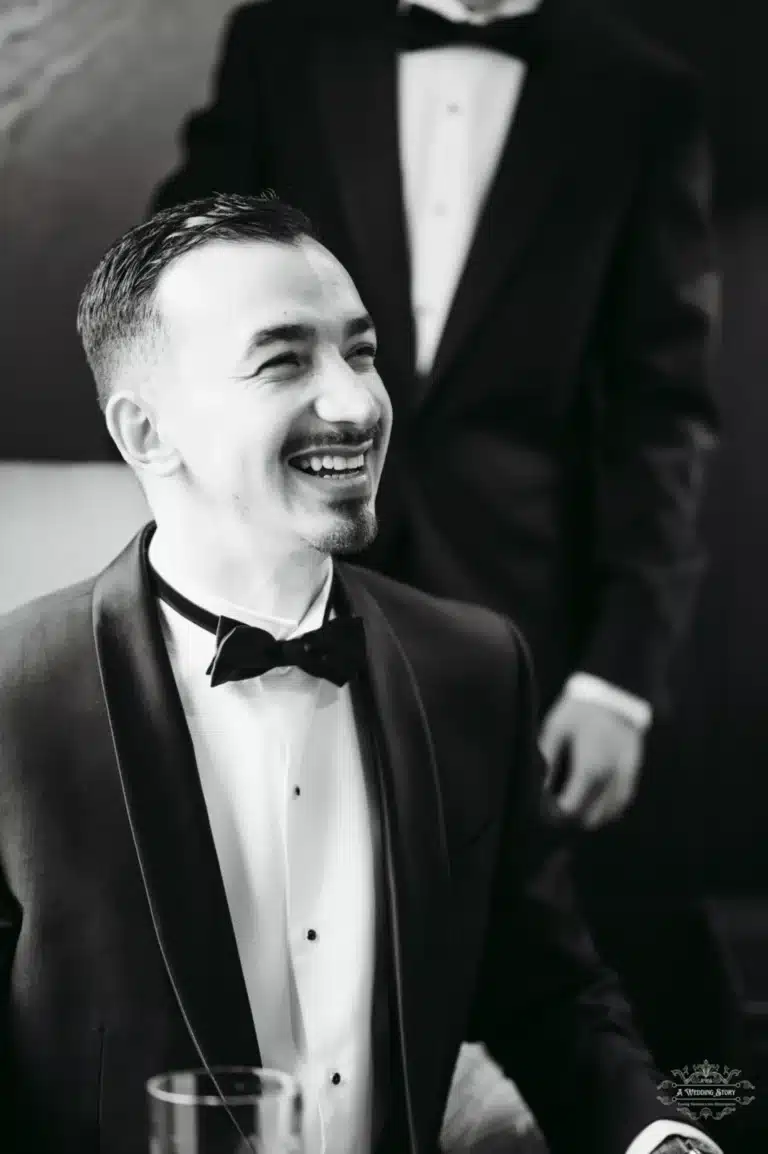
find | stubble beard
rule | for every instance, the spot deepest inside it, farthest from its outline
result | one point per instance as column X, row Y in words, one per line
column 353, row 532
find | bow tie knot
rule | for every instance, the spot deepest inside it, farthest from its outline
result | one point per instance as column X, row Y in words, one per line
column 335, row 652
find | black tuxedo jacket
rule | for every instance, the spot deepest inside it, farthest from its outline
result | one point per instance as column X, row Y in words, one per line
column 115, row 937
column 550, row 464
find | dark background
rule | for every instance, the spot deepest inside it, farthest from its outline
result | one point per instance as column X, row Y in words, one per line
column 91, row 94
column 702, row 818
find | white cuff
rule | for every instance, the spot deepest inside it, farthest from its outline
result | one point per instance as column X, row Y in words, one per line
column 653, row 1135
column 587, row 687
column 482, row 1102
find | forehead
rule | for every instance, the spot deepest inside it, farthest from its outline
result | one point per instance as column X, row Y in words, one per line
column 228, row 283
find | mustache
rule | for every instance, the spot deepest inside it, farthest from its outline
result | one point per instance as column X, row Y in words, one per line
column 328, row 438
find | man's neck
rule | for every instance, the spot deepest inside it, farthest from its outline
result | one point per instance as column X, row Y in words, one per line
column 246, row 583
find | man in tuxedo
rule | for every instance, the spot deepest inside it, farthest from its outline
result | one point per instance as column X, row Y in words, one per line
column 260, row 806
column 521, row 191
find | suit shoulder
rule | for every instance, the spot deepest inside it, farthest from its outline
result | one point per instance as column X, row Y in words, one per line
column 656, row 98
column 275, row 17
column 261, row 18
column 33, row 634
column 627, row 49
column 461, row 626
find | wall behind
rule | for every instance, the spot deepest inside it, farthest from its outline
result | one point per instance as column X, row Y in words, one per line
column 91, row 94
column 705, row 791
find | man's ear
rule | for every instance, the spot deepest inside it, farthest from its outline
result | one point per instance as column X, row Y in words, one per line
column 134, row 427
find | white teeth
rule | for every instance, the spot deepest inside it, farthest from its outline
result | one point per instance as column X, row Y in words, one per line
column 330, row 463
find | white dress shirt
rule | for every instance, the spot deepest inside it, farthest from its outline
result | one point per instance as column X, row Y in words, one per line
column 456, row 104
column 282, row 777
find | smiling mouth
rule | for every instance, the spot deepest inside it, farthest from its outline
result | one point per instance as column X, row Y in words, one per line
column 332, row 463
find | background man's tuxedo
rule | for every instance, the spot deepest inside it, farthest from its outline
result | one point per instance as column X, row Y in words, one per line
column 550, row 464
column 113, row 910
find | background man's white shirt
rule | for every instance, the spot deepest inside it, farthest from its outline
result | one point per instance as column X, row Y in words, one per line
column 456, row 105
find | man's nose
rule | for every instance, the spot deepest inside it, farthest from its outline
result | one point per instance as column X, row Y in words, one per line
column 345, row 397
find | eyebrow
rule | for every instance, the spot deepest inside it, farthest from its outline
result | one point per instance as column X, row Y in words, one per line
column 293, row 333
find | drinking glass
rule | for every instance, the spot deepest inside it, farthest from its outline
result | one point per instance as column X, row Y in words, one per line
column 225, row 1110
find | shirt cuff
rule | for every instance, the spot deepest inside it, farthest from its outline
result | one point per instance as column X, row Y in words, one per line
column 587, row 687
column 652, row 1136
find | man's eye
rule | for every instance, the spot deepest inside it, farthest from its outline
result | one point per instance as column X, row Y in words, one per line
column 291, row 360
column 368, row 351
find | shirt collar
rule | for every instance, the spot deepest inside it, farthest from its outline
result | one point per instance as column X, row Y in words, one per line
column 455, row 10
column 261, row 616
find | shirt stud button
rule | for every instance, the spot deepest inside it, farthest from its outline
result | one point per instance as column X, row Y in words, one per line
column 312, row 935
column 297, row 791
column 336, row 1079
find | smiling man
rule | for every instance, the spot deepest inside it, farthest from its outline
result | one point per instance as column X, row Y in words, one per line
column 260, row 806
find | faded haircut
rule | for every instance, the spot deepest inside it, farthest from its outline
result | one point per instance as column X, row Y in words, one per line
column 117, row 318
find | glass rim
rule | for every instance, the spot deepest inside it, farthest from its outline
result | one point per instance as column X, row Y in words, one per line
column 283, row 1082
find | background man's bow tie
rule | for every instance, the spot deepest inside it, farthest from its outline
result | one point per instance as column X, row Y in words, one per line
column 334, row 652
column 422, row 28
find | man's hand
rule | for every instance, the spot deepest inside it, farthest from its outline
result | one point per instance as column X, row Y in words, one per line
column 604, row 751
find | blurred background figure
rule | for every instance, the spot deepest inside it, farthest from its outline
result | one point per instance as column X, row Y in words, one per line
column 522, row 190
column 91, row 93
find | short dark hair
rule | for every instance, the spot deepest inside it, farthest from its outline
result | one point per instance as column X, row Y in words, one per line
column 117, row 306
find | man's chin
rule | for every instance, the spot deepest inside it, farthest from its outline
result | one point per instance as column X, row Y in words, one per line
column 348, row 535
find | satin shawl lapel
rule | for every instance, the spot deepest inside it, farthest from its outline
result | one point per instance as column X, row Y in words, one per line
column 356, row 76
column 545, row 135
column 168, row 816
column 416, row 857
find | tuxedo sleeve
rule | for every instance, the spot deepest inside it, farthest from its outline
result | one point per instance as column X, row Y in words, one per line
column 222, row 149
column 549, row 1012
column 658, row 415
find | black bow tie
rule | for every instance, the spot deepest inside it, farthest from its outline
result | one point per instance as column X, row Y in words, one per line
column 423, row 28
column 335, row 652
